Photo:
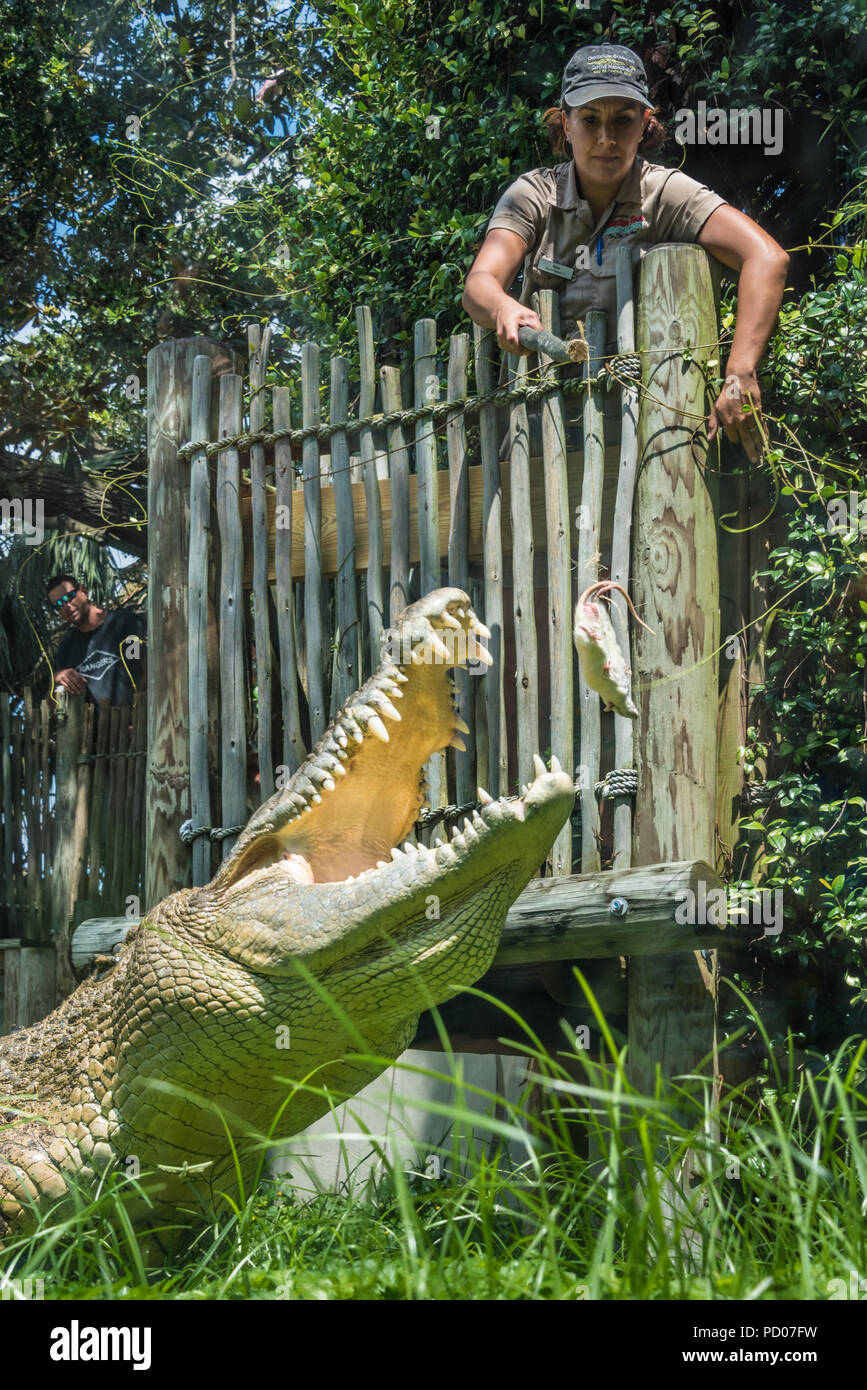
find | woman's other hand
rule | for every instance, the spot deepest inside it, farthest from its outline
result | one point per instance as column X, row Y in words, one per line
column 738, row 411
column 761, row 263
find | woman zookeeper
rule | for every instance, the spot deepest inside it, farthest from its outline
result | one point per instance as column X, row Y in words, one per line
column 566, row 223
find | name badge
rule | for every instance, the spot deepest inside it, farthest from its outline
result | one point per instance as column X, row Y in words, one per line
column 566, row 272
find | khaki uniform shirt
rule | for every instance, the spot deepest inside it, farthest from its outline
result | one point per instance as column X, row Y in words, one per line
column 653, row 204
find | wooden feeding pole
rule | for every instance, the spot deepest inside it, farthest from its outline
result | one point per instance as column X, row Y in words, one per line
column 169, row 406
column 676, row 590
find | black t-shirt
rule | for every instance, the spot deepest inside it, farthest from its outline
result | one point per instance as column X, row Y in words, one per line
column 97, row 655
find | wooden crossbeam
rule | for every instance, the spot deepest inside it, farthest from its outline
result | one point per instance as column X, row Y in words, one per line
column 328, row 532
column 568, row 918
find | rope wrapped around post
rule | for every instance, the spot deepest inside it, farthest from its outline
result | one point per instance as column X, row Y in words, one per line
column 620, row 781
column 428, row 819
column 188, row 834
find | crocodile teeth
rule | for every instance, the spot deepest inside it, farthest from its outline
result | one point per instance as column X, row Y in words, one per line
column 449, row 621
column 438, row 647
column 396, row 853
column 485, row 797
column 524, row 789
column 393, row 689
column 539, row 765
column 352, row 728
column 477, row 626
column 555, row 764
column 401, row 676
column 388, row 708
column 477, row 820
column 469, row 831
column 457, row 742
column 376, row 726
column 381, row 864
column 445, row 855
column 461, row 726
column 476, row 652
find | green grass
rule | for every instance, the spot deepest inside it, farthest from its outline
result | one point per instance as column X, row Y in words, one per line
column 613, row 1195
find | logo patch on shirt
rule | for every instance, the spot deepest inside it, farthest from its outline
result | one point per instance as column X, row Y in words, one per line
column 626, row 226
column 98, row 663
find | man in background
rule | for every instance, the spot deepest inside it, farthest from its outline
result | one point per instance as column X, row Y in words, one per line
column 96, row 658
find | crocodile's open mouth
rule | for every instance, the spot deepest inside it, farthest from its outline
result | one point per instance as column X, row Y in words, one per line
column 350, row 807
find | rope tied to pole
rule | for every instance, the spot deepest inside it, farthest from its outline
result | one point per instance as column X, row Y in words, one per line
column 189, row 833
column 620, row 781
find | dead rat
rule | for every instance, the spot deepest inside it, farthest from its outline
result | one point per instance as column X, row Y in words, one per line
column 603, row 664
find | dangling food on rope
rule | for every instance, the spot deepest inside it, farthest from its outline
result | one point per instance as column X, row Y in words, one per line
column 603, row 665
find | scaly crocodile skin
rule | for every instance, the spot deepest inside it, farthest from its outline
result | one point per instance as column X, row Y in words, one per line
column 317, row 928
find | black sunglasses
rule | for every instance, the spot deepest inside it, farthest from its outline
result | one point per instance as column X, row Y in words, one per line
column 64, row 598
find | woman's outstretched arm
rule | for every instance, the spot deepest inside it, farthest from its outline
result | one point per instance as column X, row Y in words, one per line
column 741, row 244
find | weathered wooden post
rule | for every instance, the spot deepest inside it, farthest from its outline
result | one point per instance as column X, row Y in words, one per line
column 676, row 591
column 170, row 378
column 72, row 784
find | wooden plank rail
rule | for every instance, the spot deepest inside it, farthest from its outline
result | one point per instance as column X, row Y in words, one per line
column 259, row 344
column 491, row 539
column 200, row 516
column 558, row 546
column 314, row 628
column 524, row 606
column 232, row 704
column 293, row 745
column 348, row 677
column 459, row 572
column 555, row 919
column 475, row 490
column 621, row 543
column 589, row 555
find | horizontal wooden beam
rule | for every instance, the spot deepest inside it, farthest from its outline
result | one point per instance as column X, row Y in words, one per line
column 574, row 468
column 570, row 918
column 567, row 918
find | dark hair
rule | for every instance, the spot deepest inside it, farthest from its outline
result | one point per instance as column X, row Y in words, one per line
column 652, row 139
column 58, row 579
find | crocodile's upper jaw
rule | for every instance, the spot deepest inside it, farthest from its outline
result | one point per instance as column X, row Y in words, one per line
column 321, row 861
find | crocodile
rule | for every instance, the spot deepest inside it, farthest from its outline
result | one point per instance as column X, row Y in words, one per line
column 237, row 1012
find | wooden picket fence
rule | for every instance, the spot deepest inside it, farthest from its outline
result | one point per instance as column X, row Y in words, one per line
column 378, row 512
column 72, row 838
column 279, row 552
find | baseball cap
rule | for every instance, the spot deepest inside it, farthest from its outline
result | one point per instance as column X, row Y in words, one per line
column 604, row 70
